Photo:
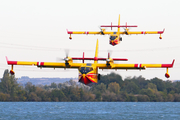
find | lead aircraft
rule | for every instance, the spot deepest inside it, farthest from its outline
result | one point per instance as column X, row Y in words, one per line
column 115, row 37
column 88, row 72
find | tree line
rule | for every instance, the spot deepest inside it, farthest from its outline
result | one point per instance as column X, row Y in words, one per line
column 110, row 88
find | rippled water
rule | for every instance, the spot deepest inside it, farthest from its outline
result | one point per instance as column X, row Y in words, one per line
column 90, row 110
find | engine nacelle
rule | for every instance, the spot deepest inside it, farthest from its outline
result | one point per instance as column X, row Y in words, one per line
column 167, row 75
column 99, row 76
column 120, row 39
column 12, row 72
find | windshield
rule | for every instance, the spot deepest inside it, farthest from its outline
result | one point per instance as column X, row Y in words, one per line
column 85, row 70
column 113, row 37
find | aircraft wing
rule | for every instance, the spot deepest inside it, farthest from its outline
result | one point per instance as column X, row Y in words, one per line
column 133, row 66
column 143, row 32
column 108, row 32
column 46, row 64
column 89, row 32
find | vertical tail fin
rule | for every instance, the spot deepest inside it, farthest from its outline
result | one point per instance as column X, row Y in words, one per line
column 96, row 53
column 119, row 24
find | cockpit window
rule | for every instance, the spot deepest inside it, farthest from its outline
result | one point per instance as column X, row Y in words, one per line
column 113, row 37
column 88, row 64
column 85, row 70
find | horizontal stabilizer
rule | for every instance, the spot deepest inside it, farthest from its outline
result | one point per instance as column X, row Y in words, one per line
column 115, row 59
column 118, row 25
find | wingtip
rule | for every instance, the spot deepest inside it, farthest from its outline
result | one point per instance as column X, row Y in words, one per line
column 163, row 29
column 173, row 62
column 6, row 58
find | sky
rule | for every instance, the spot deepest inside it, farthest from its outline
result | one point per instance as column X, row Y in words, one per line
column 35, row 30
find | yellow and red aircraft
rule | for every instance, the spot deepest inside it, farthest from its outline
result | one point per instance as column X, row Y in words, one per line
column 88, row 72
column 115, row 37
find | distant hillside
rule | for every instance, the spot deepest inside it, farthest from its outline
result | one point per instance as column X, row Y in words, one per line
column 175, row 80
column 43, row 81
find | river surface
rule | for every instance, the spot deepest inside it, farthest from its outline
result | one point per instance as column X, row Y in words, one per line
column 89, row 110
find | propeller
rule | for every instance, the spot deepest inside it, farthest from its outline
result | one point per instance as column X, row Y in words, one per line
column 66, row 58
column 126, row 29
column 109, row 56
column 109, row 59
column 102, row 31
column 66, row 53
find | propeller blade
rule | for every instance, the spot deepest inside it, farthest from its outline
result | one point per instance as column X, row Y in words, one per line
column 66, row 57
column 60, row 59
column 66, row 52
column 102, row 30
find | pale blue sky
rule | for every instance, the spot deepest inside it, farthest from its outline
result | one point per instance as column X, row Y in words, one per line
column 36, row 31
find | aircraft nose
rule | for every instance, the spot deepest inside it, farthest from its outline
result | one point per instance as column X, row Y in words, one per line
column 112, row 42
column 84, row 75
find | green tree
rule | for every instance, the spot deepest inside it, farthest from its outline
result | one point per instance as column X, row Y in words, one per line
column 98, row 88
column 149, row 93
column 123, row 96
column 53, row 85
column 143, row 98
column 159, row 83
column 112, row 77
column 140, row 81
column 170, row 98
column 114, row 87
column 41, row 93
column 176, row 97
column 177, row 86
column 57, row 95
column 98, row 96
column 29, row 87
column 4, row 97
column 33, row 97
column 152, row 86
column 22, row 95
column 131, row 87
column 72, row 83
column 132, row 98
column 9, row 84
column 109, row 96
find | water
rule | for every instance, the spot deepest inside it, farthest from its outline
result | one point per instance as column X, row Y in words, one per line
column 89, row 110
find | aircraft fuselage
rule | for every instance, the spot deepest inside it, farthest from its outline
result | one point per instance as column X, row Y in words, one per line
column 114, row 39
column 88, row 74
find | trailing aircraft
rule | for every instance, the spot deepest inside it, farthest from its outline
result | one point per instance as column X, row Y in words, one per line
column 115, row 36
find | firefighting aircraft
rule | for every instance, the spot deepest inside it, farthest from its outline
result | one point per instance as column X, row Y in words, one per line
column 88, row 72
column 115, row 37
